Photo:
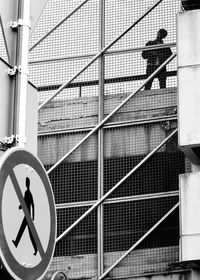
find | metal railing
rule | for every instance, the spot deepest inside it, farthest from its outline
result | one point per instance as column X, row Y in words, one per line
column 97, row 56
column 70, row 84
column 111, row 114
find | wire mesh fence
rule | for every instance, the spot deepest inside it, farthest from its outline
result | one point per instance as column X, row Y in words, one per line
column 129, row 135
column 124, row 230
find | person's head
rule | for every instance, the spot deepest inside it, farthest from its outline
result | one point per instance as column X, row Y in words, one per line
column 162, row 33
column 27, row 182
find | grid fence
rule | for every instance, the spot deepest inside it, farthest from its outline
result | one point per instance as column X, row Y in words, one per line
column 100, row 162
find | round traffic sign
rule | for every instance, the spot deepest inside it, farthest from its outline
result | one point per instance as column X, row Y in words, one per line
column 27, row 215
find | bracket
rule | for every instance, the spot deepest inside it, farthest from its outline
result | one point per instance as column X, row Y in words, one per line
column 13, row 25
column 23, row 70
column 7, row 143
column 20, row 139
column 12, row 71
column 10, row 140
column 21, row 22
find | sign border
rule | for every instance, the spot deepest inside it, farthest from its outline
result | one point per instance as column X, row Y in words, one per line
column 8, row 161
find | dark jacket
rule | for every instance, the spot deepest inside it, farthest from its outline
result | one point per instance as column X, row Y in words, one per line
column 158, row 56
column 190, row 4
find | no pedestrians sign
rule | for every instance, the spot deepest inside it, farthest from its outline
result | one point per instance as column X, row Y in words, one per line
column 27, row 215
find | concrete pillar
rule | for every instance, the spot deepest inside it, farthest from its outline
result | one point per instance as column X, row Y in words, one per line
column 195, row 274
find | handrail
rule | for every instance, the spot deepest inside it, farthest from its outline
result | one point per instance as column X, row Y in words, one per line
column 138, row 242
column 106, row 81
column 119, row 199
column 110, row 52
column 105, row 196
column 99, row 54
column 111, row 114
column 57, row 25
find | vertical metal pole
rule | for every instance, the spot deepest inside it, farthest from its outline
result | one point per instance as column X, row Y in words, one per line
column 100, row 141
column 22, row 72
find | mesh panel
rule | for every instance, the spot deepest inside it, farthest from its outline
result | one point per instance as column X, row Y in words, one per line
column 75, row 179
column 158, row 174
column 158, row 250
column 124, row 229
column 129, row 134
column 3, row 53
column 119, row 16
column 76, row 253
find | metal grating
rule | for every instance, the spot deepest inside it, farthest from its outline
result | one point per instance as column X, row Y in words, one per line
column 115, row 148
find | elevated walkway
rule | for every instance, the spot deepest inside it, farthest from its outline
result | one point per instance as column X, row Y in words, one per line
column 82, row 112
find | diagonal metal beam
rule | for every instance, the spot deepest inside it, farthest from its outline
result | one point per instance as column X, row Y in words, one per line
column 99, row 54
column 101, row 200
column 111, row 114
column 57, row 25
column 4, row 39
column 138, row 242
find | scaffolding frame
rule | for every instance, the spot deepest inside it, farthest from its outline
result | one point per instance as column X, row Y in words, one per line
column 104, row 198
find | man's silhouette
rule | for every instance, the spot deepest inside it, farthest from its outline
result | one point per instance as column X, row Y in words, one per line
column 155, row 58
column 28, row 198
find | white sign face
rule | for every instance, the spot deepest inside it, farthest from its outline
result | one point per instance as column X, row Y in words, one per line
column 14, row 218
column 27, row 221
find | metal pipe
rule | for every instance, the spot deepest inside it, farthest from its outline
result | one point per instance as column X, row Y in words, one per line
column 100, row 210
column 57, row 59
column 140, row 49
column 22, row 73
column 138, row 242
column 80, row 219
column 118, row 199
column 99, row 54
column 111, row 52
column 110, row 115
column 58, row 24
column 87, row 83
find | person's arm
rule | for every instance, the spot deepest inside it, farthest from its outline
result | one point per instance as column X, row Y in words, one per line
column 33, row 211
column 169, row 52
column 33, row 208
column 164, row 54
column 146, row 54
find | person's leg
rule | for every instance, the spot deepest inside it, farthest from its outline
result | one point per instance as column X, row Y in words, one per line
column 162, row 77
column 20, row 232
column 33, row 241
column 149, row 71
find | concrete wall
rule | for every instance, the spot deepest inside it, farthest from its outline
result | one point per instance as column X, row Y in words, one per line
column 82, row 112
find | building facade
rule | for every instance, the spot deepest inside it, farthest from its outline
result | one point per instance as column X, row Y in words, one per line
column 108, row 143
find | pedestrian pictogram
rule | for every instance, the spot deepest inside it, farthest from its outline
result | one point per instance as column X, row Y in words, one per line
column 28, row 198
column 27, row 215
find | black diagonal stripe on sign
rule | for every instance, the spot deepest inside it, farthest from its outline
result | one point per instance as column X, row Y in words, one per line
column 26, row 213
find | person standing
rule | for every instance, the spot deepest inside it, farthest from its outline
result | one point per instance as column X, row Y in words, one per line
column 155, row 58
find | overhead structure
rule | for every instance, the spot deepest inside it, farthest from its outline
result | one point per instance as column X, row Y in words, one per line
column 188, row 40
